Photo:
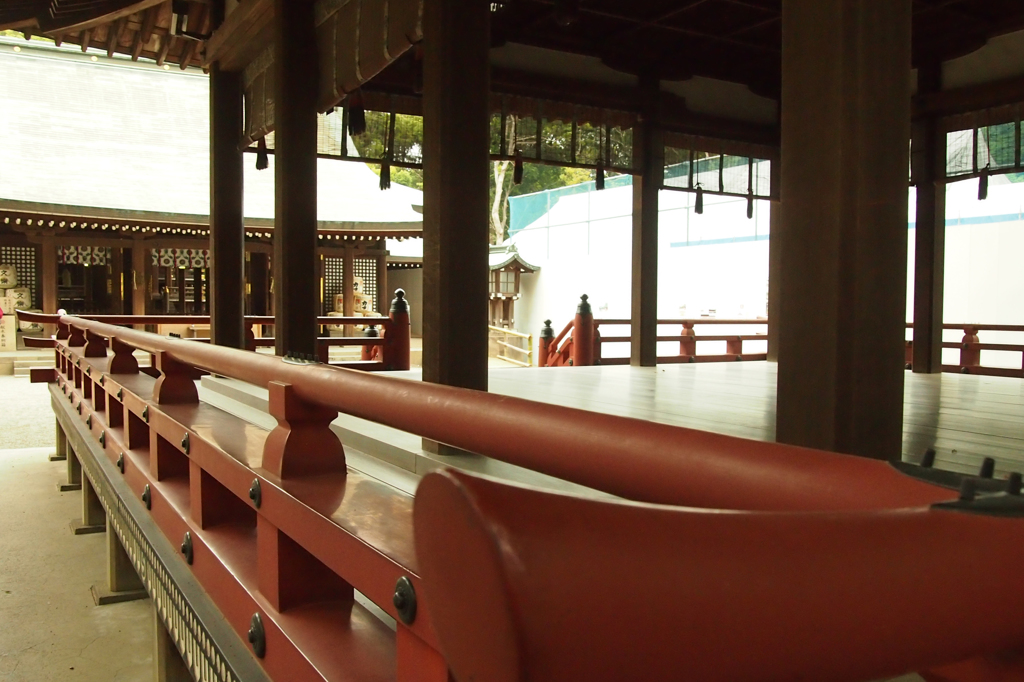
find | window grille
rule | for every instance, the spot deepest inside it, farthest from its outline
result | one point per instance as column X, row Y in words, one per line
column 23, row 258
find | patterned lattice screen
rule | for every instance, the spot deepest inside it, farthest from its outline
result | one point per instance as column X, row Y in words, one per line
column 23, row 258
column 332, row 282
column 367, row 269
column 181, row 258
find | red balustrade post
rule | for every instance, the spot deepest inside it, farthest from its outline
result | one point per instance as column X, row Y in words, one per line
column 176, row 384
column 970, row 356
column 370, row 352
column 688, row 344
column 302, row 443
column 96, row 345
column 250, row 339
column 124, row 361
column 398, row 335
column 583, row 334
column 547, row 335
column 735, row 347
column 597, row 344
column 76, row 336
column 63, row 331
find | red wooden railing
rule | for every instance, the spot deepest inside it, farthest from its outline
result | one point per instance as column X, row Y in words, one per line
column 385, row 349
column 558, row 351
column 970, row 347
column 279, row 527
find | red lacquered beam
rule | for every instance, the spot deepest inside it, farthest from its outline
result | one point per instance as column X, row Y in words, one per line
column 632, row 458
column 618, row 591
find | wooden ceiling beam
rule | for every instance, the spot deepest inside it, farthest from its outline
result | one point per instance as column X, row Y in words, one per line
column 86, row 39
column 165, row 47
column 118, row 10
column 969, row 99
column 114, row 32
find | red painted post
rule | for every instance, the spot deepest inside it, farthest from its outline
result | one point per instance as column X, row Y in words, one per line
column 76, row 336
column 96, row 345
column 370, row 352
column 597, row 344
column 583, row 335
column 970, row 356
column 124, row 361
column 688, row 344
column 397, row 334
column 176, row 384
column 735, row 347
column 547, row 335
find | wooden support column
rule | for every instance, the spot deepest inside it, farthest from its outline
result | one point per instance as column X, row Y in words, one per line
column 258, row 283
column 649, row 158
column 115, row 280
column 383, row 304
column 775, row 263
column 845, row 127
column 226, row 299
column 348, row 278
column 49, row 258
column 182, row 283
column 456, row 119
column 928, row 168
column 296, row 298
column 140, row 291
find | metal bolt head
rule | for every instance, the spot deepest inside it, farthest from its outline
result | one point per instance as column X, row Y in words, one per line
column 186, row 548
column 103, row 438
column 88, row 371
column 256, row 493
column 88, row 420
column 103, row 381
column 120, row 393
column 257, row 636
column 185, row 444
column 405, row 600
column 145, row 414
column 147, row 497
column 120, row 462
column 80, row 407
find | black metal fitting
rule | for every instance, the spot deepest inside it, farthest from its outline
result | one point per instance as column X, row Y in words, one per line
column 120, row 393
column 405, row 600
column 88, row 371
column 185, row 444
column 145, row 414
column 1013, row 483
column 147, row 497
column 928, row 461
column 120, row 462
column 103, row 438
column 256, row 493
column 988, row 468
column 257, row 636
column 186, row 548
column 103, row 381
column 79, row 407
column 88, row 420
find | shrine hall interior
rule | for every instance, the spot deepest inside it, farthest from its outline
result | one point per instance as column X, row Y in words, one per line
column 849, row 103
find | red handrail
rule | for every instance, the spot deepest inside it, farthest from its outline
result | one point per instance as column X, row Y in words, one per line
column 629, row 457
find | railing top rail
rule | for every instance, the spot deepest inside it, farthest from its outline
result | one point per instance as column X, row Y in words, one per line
column 696, row 320
column 49, row 318
column 632, row 458
column 980, row 327
column 510, row 332
column 558, row 339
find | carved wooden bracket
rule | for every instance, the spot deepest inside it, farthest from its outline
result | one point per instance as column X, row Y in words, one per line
column 302, row 443
column 176, row 384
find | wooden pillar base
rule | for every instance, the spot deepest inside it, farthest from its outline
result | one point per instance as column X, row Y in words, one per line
column 74, row 481
column 168, row 665
column 94, row 519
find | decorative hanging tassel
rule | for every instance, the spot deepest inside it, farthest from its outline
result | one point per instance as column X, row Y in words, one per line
column 262, row 157
column 517, row 169
column 599, row 180
column 356, row 115
column 750, row 205
column 698, row 206
column 385, row 176
column 983, row 184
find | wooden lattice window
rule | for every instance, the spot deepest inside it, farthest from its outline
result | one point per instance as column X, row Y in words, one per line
column 23, row 258
column 367, row 269
column 333, row 273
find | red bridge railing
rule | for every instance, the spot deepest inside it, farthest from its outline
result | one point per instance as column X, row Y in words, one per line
column 280, row 530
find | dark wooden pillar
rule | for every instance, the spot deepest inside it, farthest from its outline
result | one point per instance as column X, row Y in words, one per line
column 845, row 127
column 383, row 304
column 928, row 168
column 296, row 299
column 116, row 301
column 197, row 291
column 227, row 222
column 649, row 159
column 140, row 266
column 456, row 135
column 258, row 283
column 775, row 263
column 182, row 302
column 49, row 274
